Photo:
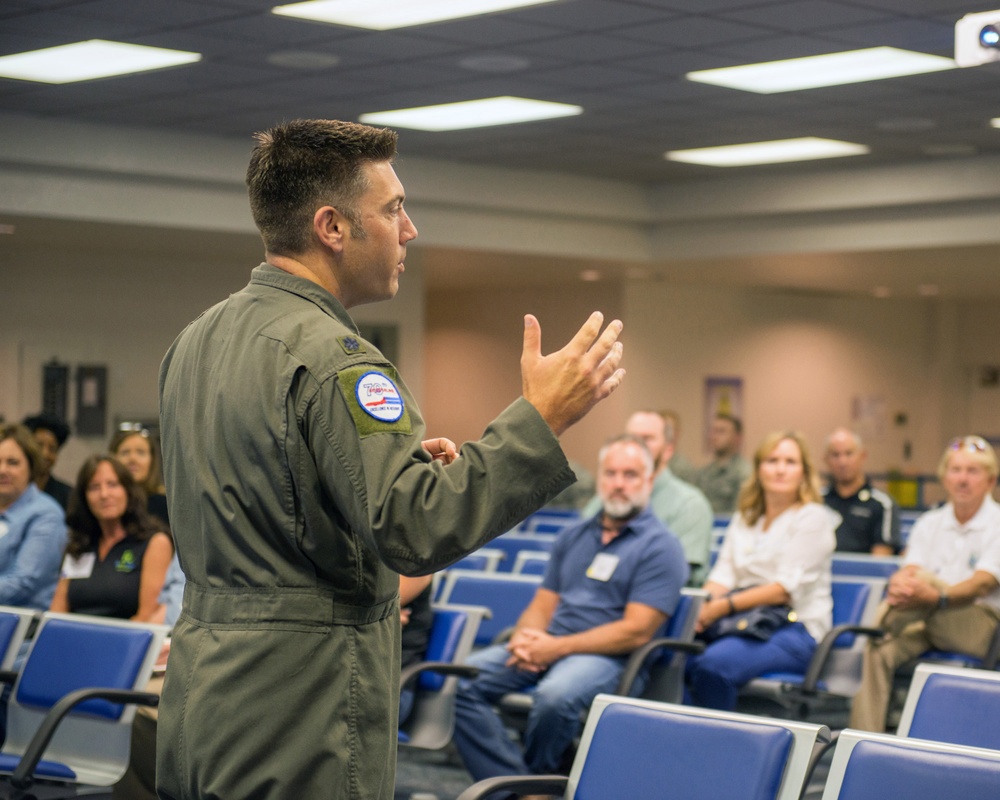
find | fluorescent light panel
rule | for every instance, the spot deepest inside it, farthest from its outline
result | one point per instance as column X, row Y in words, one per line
column 832, row 69
column 85, row 61
column 383, row 15
column 783, row 150
column 471, row 114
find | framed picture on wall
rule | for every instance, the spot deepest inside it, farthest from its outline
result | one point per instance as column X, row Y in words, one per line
column 723, row 395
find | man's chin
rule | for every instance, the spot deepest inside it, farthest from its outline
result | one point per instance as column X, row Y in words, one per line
column 619, row 511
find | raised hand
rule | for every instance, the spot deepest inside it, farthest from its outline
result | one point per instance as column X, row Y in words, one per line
column 565, row 385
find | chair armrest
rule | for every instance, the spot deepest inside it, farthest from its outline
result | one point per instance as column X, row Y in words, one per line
column 410, row 673
column 637, row 660
column 822, row 654
column 518, row 784
column 8, row 675
column 22, row 776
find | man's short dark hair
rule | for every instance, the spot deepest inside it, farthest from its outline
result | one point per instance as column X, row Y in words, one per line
column 50, row 423
column 736, row 422
column 302, row 165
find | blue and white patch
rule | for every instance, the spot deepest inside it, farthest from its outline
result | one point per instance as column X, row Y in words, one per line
column 378, row 397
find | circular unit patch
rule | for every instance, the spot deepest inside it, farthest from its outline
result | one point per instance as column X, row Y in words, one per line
column 379, row 397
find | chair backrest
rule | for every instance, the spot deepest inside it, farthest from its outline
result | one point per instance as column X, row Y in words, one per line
column 665, row 681
column 645, row 750
column 75, row 651
column 513, row 543
column 549, row 521
column 14, row 626
column 486, row 559
column 876, row 766
column 505, row 595
column 864, row 565
column 954, row 705
column 432, row 720
column 531, row 562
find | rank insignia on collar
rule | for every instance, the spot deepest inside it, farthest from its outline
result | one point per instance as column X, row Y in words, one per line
column 351, row 344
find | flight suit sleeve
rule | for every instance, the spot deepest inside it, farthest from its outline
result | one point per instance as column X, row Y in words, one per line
column 418, row 514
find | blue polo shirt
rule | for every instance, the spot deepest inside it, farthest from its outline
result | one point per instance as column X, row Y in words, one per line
column 649, row 567
column 32, row 539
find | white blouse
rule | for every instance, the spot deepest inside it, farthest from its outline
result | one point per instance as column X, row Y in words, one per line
column 794, row 552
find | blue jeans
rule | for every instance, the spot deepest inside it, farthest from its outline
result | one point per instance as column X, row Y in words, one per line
column 714, row 678
column 561, row 694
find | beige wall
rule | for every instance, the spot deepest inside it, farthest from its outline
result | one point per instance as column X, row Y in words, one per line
column 473, row 351
column 804, row 358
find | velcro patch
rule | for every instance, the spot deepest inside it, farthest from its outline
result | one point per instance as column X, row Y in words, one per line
column 374, row 399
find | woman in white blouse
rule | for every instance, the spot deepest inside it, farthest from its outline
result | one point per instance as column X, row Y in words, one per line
column 776, row 552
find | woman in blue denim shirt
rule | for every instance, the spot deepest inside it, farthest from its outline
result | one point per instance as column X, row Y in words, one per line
column 32, row 525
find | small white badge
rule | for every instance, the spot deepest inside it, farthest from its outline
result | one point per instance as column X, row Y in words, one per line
column 602, row 567
column 4, row 527
column 379, row 397
column 80, row 567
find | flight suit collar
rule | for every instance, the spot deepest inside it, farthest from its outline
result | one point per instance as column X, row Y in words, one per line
column 269, row 275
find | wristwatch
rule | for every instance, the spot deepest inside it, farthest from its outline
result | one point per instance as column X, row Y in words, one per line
column 943, row 600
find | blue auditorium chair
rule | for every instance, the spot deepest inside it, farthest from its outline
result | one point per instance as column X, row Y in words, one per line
column 834, row 673
column 954, row 705
column 878, row 766
column 69, row 719
column 15, row 623
column 505, row 595
column 435, row 679
column 644, row 750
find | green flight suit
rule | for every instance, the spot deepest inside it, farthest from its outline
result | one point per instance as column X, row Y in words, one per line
column 293, row 508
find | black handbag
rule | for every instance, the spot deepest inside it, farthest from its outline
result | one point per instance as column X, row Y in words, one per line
column 760, row 623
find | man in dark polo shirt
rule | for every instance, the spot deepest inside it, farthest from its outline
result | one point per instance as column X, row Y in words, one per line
column 611, row 583
column 869, row 517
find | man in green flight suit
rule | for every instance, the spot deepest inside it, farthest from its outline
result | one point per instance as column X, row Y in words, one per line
column 300, row 483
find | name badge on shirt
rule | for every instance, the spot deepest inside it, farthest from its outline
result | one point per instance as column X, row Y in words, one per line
column 81, row 567
column 4, row 528
column 602, row 567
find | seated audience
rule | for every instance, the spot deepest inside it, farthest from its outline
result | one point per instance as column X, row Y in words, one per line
column 50, row 434
column 138, row 452
column 869, row 517
column 611, row 583
column 32, row 525
column 947, row 594
column 416, row 617
column 774, row 563
column 117, row 557
column 678, row 505
column 722, row 479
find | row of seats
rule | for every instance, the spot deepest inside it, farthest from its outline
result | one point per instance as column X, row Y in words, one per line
column 73, row 698
column 636, row 748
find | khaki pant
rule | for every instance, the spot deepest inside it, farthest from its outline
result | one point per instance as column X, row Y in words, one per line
column 909, row 633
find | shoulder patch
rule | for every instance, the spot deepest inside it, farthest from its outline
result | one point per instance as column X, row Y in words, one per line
column 352, row 345
column 374, row 400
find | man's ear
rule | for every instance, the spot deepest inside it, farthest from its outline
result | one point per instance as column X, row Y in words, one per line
column 331, row 228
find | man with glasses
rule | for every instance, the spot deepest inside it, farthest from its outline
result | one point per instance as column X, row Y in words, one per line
column 947, row 594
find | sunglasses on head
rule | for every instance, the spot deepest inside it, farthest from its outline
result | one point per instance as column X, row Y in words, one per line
column 974, row 444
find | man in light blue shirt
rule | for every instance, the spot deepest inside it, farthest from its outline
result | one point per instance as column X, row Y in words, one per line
column 32, row 526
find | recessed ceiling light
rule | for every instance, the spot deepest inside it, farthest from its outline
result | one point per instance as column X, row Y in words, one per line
column 471, row 114
column 832, row 69
column 388, row 14
column 995, row 122
column 782, row 150
column 85, row 61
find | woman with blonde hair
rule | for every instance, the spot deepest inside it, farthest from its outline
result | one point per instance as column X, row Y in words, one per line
column 137, row 450
column 769, row 591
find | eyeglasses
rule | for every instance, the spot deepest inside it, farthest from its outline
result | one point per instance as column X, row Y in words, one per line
column 974, row 444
